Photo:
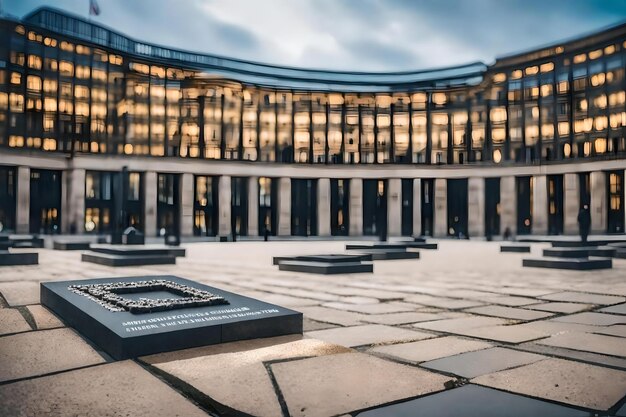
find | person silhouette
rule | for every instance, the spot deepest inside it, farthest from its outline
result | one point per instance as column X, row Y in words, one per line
column 584, row 222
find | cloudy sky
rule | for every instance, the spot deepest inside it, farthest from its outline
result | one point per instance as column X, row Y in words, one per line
column 362, row 35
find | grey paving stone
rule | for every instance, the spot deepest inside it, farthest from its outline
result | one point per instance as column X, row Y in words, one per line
column 576, row 355
column 581, row 297
column 44, row 318
column 403, row 318
column 508, row 334
column 442, row 302
column 37, row 353
column 618, row 309
column 474, row 401
column 509, row 312
column 367, row 334
column 378, row 308
column 427, row 350
column 244, row 383
column 461, row 323
column 508, row 300
column 309, row 325
column 12, row 321
column 481, row 362
column 596, row 343
column 562, row 381
column 558, row 307
column 616, row 330
column 115, row 389
column 336, row 384
column 330, row 315
column 593, row 319
column 20, row 293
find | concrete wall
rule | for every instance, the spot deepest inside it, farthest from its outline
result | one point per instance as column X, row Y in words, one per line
column 186, row 204
column 224, row 202
column 476, row 206
column 394, row 207
column 441, row 208
column 284, row 207
column 356, row 207
column 417, row 207
column 22, row 212
column 150, row 203
column 571, row 203
column 323, row 207
column 508, row 204
column 540, row 205
column 73, row 210
column 599, row 207
column 253, row 206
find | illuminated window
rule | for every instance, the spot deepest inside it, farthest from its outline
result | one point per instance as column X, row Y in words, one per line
column 80, row 91
column 16, row 78
column 98, row 74
column 439, row 98
column 34, row 62
column 498, row 78
column 17, row 58
column 532, row 70
column 83, row 50
column 516, row 74
column 51, row 64
column 82, row 71
column 49, row 86
column 66, row 68
column 33, row 83
column 16, row 102
column 547, row 67
column 595, row 54
column 66, row 46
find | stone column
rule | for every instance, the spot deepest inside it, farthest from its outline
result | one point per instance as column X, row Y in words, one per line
column 150, row 203
column 508, row 204
column 186, row 205
column 356, row 207
column 323, row 207
column 73, row 213
column 540, row 205
column 441, row 208
column 224, row 202
column 571, row 203
column 394, row 207
column 476, row 206
column 253, row 206
column 599, row 208
column 417, row 207
column 284, row 207
column 22, row 209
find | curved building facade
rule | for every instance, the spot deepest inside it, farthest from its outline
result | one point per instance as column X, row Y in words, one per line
column 99, row 131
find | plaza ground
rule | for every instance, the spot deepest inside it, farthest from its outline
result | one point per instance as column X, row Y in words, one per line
column 462, row 315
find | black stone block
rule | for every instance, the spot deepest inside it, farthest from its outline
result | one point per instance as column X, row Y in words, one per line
column 577, row 243
column 71, row 244
column 127, row 260
column 332, row 258
column 138, row 250
column 390, row 254
column 18, row 258
column 579, row 252
column 176, row 314
column 577, row 264
column 325, row 268
column 26, row 241
column 515, row 248
column 620, row 253
column 474, row 401
column 393, row 245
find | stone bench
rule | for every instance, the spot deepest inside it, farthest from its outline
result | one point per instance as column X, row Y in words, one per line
column 576, row 264
column 515, row 248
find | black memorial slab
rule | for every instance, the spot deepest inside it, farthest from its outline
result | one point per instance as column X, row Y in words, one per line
column 63, row 244
column 580, row 252
column 620, row 253
column 578, row 264
column 378, row 254
column 135, row 316
column 515, row 248
column 132, row 255
column 474, row 401
column 392, row 245
column 26, row 241
column 325, row 264
column 18, row 258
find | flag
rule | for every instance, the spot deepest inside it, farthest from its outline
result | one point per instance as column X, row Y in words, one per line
column 94, row 9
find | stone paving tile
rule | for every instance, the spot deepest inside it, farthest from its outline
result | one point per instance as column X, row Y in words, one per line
column 509, row 312
column 405, row 318
column 44, row 318
column 580, row 297
column 475, row 401
column 562, row 381
column 362, row 292
column 427, row 350
column 618, row 309
column 576, row 355
column 616, row 330
column 115, row 389
column 508, row 334
column 481, row 362
column 462, row 323
column 508, row 300
column 12, row 321
column 244, row 383
column 20, row 293
column 557, row 307
column 336, row 384
column 309, row 325
column 358, row 300
column 442, row 302
column 593, row 319
column 37, row 353
column 596, row 343
column 284, row 300
column 379, row 308
column 330, row 315
column 526, row 292
column 552, row 327
column 367, row 334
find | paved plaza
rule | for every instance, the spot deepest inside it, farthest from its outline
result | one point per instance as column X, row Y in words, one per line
column 463, row 322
